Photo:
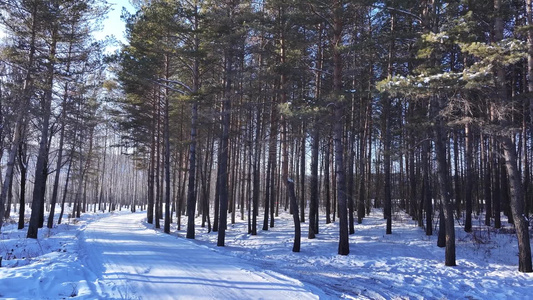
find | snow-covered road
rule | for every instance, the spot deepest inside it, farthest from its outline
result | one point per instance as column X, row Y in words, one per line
column 118, row 256
column 125, row 260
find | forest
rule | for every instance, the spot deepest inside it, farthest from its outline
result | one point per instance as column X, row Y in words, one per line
column 218, row 110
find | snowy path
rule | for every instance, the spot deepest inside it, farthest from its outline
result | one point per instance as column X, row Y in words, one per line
column 125, row 260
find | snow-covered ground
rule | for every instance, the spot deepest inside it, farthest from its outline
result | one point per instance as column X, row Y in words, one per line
column 405, row 265
column 120, row 256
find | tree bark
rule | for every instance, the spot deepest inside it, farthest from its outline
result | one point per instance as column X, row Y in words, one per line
column 521, row 222
column 387, row 166
column 456, row 176
column 158, row 177
column 469, row 178
column 296, row 219
column 256, row 171
column 271, row 168
column 302, row 175
column 151, row 168
column 42, row 158
column 487, row 190
column 23, row 167
column 166, row 138
column 344, row 246
column 224, row 142
column 444, row 182
column 313, row 205
column 426, row 196
column 55, row 188
column 327, row 180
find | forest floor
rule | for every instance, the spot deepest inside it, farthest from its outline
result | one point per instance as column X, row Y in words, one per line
column 120, row 256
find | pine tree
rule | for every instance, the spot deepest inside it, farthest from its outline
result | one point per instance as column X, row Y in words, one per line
column 25, row 22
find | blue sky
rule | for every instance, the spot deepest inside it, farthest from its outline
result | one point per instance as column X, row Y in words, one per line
column 113, row 25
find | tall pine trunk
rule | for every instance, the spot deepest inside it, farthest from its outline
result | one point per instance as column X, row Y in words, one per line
column 271, row 167
column 521, row 222
column 344, row 246
column 256, row 171
column 166, row 157
column 440, row 138
column 313, row 185
column 387, row 141
column 23, row 168
column 519, row 218
column 55, row 188
column 327, row 180
column 42, row 157
column 223, row 162
column 469, row 177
